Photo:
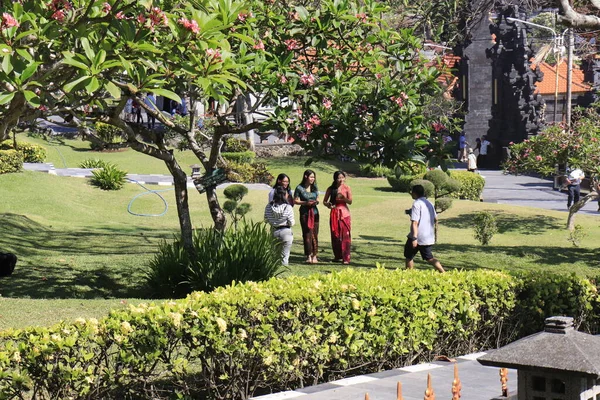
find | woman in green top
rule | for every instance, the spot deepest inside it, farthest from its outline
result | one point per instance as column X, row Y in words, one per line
column 307, row 196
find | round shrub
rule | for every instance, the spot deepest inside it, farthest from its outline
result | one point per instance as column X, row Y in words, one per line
column 109, row 177
column 427, row 185
column 437, row 177
column 402, row 183
column 249, row 173
column 234, row 145
column 442, row 204
column 32, row 153
column 471, row 185
column 10, row 161
column 240, row 157
column 485, row 227
column 375, row 171
column 451, row 186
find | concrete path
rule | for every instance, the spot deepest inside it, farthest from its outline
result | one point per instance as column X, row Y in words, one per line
column 527, row 191
column 478, row 383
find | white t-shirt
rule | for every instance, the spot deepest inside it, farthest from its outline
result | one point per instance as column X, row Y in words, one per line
column 576, row 176
column 484, row 147
column 424, row 213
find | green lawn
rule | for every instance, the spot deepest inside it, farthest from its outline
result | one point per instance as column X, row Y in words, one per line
column 76, row 242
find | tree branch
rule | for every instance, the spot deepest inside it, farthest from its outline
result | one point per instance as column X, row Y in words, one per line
column 574, row 19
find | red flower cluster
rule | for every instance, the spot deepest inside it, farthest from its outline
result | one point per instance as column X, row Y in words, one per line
column 243, row 16
column 312, row 122
column 400, row 99
column 362, row 17
column 307, row 80
column 191, row 26
column 259, row 45
column 157, row 17
column 214, row 54
column 8, row 21
column 438, row 126
column 327, row 103
column 106, row 8
column 292, row 44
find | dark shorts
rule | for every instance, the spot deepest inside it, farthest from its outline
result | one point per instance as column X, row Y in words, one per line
column 410, row 252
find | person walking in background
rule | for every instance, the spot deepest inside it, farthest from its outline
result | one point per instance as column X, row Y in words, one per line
column 150, row 101
column 307, row 196
column 462, row 148
column 573, row 181
column 129, row 110
column 282, row 181
column 280, row 215
column 422, row 230
column 471, row 161
column 484, row 148
column 137, row 110
column 337, row 198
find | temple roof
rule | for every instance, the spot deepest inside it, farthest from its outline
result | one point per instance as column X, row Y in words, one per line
column 559, row 348
column 548, row 84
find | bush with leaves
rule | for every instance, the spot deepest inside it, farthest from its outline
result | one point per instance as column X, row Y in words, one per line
column 235, row 145
column 32, row 153
column 234, row 195
column 240, row 157
column 403, row 183
column 109, row 177
column 10, row 161
column 108, row 134
column 427, row 185
column 248, row 253
column 92, row 163
column 484, row 224
column 249, row 173
column 375, row 170
column 471, row 185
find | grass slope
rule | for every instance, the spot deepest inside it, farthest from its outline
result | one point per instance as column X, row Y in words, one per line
column 77, row 242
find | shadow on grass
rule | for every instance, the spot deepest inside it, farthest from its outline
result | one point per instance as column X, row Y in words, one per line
column 386, row 189
column 533, row 225
column 100, row 263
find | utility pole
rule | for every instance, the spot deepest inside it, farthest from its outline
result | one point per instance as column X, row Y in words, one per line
column 569, row 78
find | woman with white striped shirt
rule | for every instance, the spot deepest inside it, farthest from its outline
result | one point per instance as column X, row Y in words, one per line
column 280, row 215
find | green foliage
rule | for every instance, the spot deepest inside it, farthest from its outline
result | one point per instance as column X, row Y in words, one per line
column 109, row 177
column 93, row 163
column 375, row 171
column 428, row 186
column 444, row 187
column 240, row 157
column 403, row 183
column 32, row 153
column 249, row 253
column 576, row 235
column 249, row 173
column 409, row 167
column 234, row 145
column 10, row 161
column 544, row 294
column 109, row 133
column 237, row 210
column 578, row 147
column 471, row 185
column 485, row 227
column 301, row 329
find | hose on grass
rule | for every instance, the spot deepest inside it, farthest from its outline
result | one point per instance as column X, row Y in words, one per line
column 52, row 141
column 147, row 192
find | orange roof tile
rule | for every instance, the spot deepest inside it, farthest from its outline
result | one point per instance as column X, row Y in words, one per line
column 548, row 84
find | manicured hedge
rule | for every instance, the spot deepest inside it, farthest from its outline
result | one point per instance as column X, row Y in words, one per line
column 32, row 153
column 10, row 161
column 284, row 333
column 240, row 157
column 471, row 185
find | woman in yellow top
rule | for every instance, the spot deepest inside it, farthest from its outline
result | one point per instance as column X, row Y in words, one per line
column 337, row 198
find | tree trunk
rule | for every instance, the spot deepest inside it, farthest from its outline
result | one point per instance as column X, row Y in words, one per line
column 11, row 119
column 216, row 211
column 183, row 209
column 578, row 206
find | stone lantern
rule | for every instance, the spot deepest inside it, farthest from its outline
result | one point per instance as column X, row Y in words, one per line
column 195, row 170
column 559, row 363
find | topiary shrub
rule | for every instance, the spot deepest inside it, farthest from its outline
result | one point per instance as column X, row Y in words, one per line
column 428, row 186
column 471, row 185
column 10, row 161
column 410, row 167
column 91, row 163
column 249, row 253
column 109, row 177
column 109, row 134
column 485, row 227
column 444, row 186
column 240, row 157
column 232, row 206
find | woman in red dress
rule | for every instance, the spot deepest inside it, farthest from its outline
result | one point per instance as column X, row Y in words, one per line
column 337, row 198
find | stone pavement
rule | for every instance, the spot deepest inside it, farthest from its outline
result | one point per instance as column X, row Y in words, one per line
column 478, row 383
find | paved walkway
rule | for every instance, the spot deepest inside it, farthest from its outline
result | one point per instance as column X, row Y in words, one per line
column 478, row 383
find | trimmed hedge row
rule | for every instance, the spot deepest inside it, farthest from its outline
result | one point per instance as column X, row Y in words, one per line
column 10, row 161
column 471, row 185
column 284, row 333
column 32, row 153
